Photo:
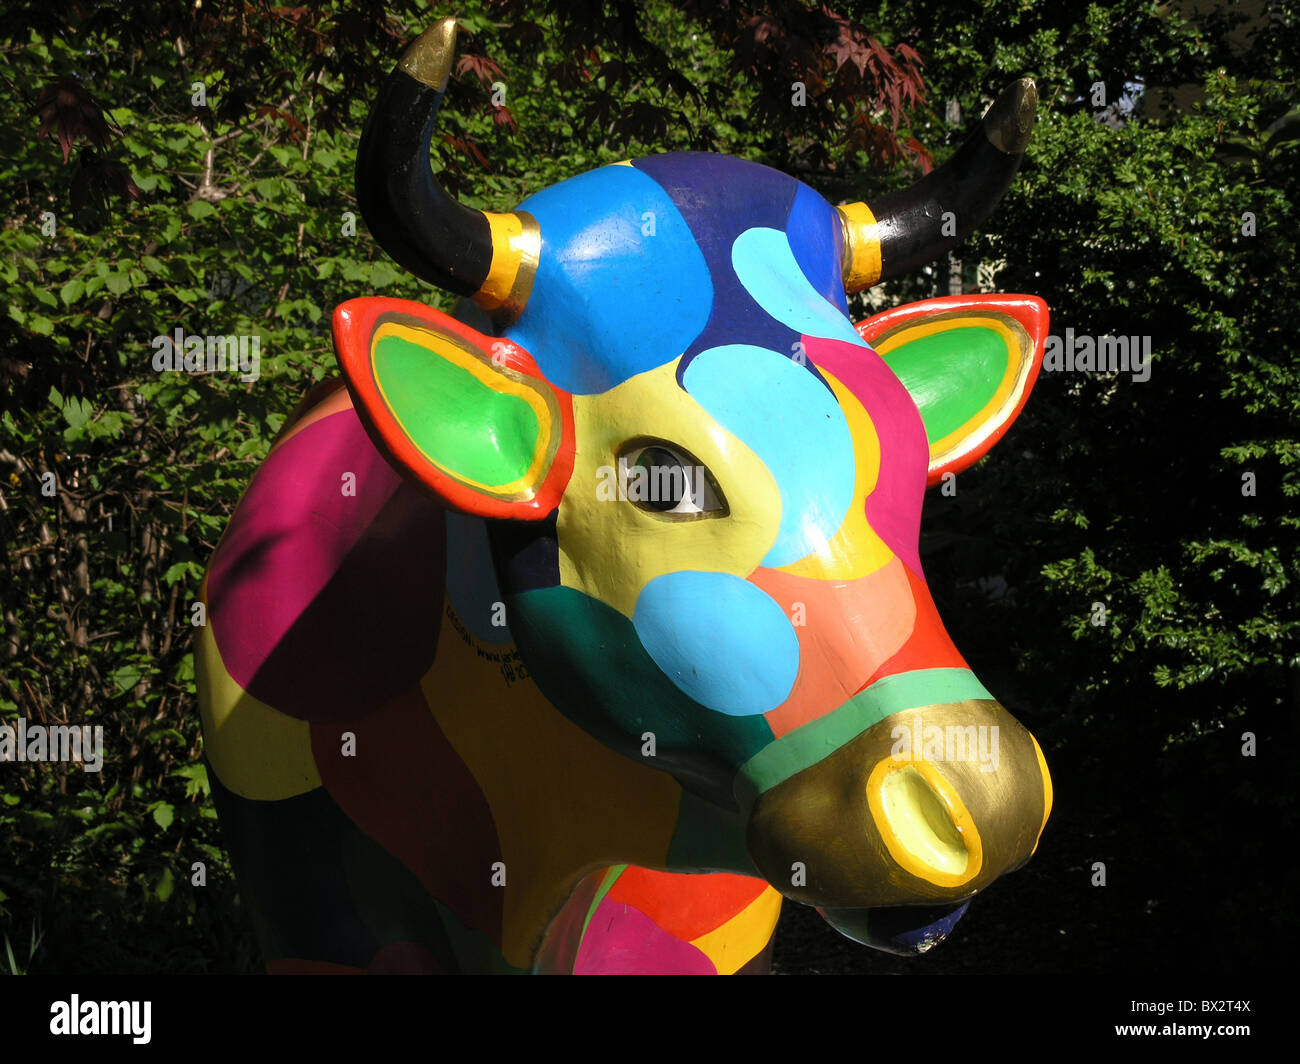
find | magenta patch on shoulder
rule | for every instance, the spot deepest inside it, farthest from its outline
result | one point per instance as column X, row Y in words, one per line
column 621, row 940
column 894, row 508
column 309, row 581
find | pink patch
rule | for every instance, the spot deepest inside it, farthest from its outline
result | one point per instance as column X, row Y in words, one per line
column 894, row 508
column 309, row 581
column 621, row 940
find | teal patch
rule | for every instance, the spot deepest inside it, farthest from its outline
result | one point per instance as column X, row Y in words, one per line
column 588, row 661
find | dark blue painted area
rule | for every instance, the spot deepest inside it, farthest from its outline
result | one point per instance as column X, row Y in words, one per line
column 813, row 230
column 527, row 553
column 721, row 197
column 301, row 861
column 906, row 929
column 636, row 266
column 288, row 856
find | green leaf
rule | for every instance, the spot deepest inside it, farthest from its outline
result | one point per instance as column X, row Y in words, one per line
column 72, row 291
column 117, row 283
column 163, row 814
column 126, row 677
column 109, row 424
column 180, row 570
column 196, row 780
column 77, row 411
column 382, row 274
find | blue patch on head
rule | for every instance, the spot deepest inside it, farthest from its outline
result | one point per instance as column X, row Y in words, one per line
column 720, row 197
column 767, row 267
column 621, row 285
column 721, row 640
column 787, row 417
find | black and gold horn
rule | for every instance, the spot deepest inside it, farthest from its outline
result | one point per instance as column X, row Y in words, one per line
column 903, row 230
column 492, row 258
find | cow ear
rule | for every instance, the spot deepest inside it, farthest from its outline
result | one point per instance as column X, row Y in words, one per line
column 470, row 416
column 968, row 361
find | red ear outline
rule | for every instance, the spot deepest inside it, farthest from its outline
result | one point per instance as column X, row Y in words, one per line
column 355, row 323
column 1030, row 311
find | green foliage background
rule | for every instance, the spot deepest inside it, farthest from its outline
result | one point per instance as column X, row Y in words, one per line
column 1128, row 494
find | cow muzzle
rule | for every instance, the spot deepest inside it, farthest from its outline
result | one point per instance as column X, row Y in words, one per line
column 928, row 806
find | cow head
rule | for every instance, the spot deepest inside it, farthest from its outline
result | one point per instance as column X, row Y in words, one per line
column 705, row 484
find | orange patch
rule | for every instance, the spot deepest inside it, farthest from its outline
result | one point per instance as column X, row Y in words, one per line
column 686, row 906
column 849, row 629
column 929, row 646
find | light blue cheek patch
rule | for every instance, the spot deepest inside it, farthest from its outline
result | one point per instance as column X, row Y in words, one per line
column 788, row 418
column 723, row 641
column 766, row 266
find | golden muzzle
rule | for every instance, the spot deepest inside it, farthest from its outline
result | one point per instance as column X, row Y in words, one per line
column 929, row 805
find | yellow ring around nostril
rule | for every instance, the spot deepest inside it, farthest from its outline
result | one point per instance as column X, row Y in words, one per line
column 924, row 823
column 1047, row 790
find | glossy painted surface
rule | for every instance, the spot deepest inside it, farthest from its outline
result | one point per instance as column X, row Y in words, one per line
column 492, row 710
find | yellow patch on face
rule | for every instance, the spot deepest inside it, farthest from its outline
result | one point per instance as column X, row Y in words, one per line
column 546, row 775
column 610, row 548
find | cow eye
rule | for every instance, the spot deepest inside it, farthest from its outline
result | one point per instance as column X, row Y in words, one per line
column 662, row 479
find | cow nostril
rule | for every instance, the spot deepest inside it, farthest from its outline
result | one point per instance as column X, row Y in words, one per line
column 923, row 822
column 917, row 819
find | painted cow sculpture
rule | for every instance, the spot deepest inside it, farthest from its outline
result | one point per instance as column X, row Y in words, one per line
column 571, row 636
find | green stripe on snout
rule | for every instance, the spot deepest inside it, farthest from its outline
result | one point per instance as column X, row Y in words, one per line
column 805, row 746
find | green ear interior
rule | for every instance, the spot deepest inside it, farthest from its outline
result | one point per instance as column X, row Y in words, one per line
column 951, row 375
column 455, row 419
